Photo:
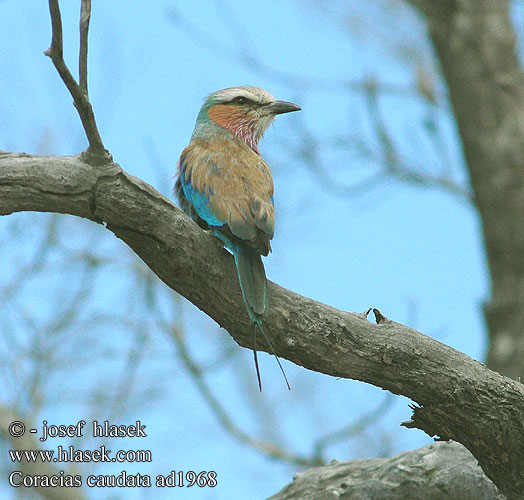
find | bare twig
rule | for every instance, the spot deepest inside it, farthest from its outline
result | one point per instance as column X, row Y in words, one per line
column 55, row 52
column 393, row 163
column 309, row 151
column 255, row 64
column 85, row 17
column 352, row 429
column 271, row 450
column 390, row 164
column 38, row 467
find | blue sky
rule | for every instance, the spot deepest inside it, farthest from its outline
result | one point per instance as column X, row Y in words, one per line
column 415, row 253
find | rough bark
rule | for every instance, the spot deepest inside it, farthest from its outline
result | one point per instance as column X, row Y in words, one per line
column 476, row 46
column 457, row 397
column 439, row 471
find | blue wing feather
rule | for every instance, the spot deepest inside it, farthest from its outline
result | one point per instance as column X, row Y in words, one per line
column 200, row 202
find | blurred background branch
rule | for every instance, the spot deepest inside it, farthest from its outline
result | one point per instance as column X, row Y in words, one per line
column 375, row 84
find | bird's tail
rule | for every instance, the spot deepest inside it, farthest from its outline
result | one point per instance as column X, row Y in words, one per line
column 252, row 278
column 258, row 324
column 253, row 283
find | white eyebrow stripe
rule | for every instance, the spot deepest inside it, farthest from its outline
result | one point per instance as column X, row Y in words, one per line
column 252, row 93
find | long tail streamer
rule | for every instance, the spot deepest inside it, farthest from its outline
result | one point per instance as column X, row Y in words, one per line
column 257, row 324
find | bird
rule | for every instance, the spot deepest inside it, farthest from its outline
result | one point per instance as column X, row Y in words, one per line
column 226, row 187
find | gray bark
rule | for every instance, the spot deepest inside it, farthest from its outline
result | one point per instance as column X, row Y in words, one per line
column 475, row 44
column 439, row 471
column 456, row 397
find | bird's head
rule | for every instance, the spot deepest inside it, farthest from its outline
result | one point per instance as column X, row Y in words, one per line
column 245, row 112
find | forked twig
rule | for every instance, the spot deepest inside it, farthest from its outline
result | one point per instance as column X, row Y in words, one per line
column 78, row 92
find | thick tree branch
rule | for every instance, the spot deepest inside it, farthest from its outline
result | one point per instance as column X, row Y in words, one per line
column 439, row 470
column 457, row 397
column 435, row 9
column 476, row 45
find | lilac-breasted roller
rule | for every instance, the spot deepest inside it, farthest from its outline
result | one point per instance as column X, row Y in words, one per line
column 226, row 186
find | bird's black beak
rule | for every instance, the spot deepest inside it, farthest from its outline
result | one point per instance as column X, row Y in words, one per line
column 279, row 107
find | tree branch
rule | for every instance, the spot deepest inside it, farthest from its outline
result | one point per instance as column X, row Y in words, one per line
column 393, row 163
column 85, row 18
column 352, row 429
column 434, row 9
column 457, row 397
column 246, row 57
column 271, row 449
column 485, row 79
column 96, row 151
column 439, row 470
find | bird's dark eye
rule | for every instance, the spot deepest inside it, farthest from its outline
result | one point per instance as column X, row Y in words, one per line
column 239, row 100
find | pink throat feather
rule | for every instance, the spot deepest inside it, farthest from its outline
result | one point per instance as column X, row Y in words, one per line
column 237, row 123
